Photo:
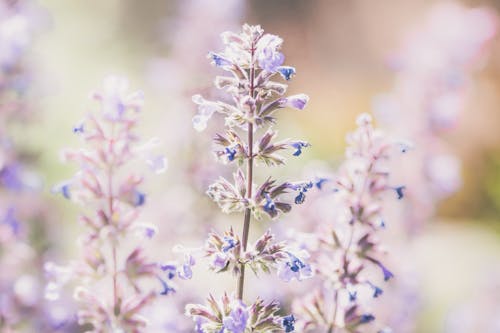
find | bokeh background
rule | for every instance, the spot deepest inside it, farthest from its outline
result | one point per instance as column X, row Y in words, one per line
column 341, row 50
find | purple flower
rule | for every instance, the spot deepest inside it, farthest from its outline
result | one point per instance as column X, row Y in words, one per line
column 10, row 177
column 268, row 56
column 219, row 60
column 11, row 221
column 288, row 323
column 229, row 243
column 294, row 267
column 139, row 198
column 79, row 129
column 299, row 199
column 298, row 145
column 158, row 164
column 269, row 206
column 166, row 289
column 366, row 318
column 205, row 111
column 219, row 261
column 186, row 272
column 286, row 72
column 376, row 290
column 387, row 274
column 64, row 189
column 319, row 182
column 236, row 322
column 230, row 153
column 170, row 270
column 298, row 102
column 400, row 191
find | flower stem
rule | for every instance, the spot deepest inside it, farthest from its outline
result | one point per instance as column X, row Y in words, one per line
column 111, row 217
column 246, row 220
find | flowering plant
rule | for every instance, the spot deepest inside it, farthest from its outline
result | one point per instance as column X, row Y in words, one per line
column 253, row 59
column 111, row 196
column 345, row 249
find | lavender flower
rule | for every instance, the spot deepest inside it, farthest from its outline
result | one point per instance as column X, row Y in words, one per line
column 347, row 246
column 252, row 58
column 102, row 184
column 232, row 315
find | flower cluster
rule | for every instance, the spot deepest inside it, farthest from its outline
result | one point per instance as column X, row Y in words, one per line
column 253, row 60
column 431, row 89
column 111, row 194
column 232, row 315
column 346, row 251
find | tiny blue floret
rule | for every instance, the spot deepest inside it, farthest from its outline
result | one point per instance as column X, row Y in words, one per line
column 288, row 323
column 139, row 199
column 287, row 72
column 229, row 243
column 366, row 318
column 230, row 152
column 219, row 60
column 400, row 191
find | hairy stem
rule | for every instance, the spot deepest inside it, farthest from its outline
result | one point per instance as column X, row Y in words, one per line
column 246, row 220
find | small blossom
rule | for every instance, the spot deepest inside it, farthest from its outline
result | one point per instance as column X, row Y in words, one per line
column 366, row 318
column 166, row 288
column 268, row 56
column 146, row 230
column 64, row 189
column 298, row 145
column 219, row 60
column 230, row 153
column 11, row 221
column 79, row 129
column 269, row 206
column 205, row 111
column 158, row 164
column 320, row 182
column 298, row 102
column 229, row 243
column 237, row 320
column 288, row 323
column 139, row 198
column 287, row 72
column 294, row 267
column 400, row 191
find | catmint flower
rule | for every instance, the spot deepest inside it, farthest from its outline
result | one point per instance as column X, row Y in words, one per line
column 253, row 60
column 298, row 102
column 288, row 323
column 232, row 315
column 269, row 206
column 400, row 191
column 158, row 164
column 79, row 129
column 219, row 60
column 139, row 198
column 347, row 245
column 11, row 221
column 103, row 185
column 64, row 189
column 295, row 267
column 286, row 72
column 268, row 56
column 237, row 320
column 298, row 145
column 205, row 111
